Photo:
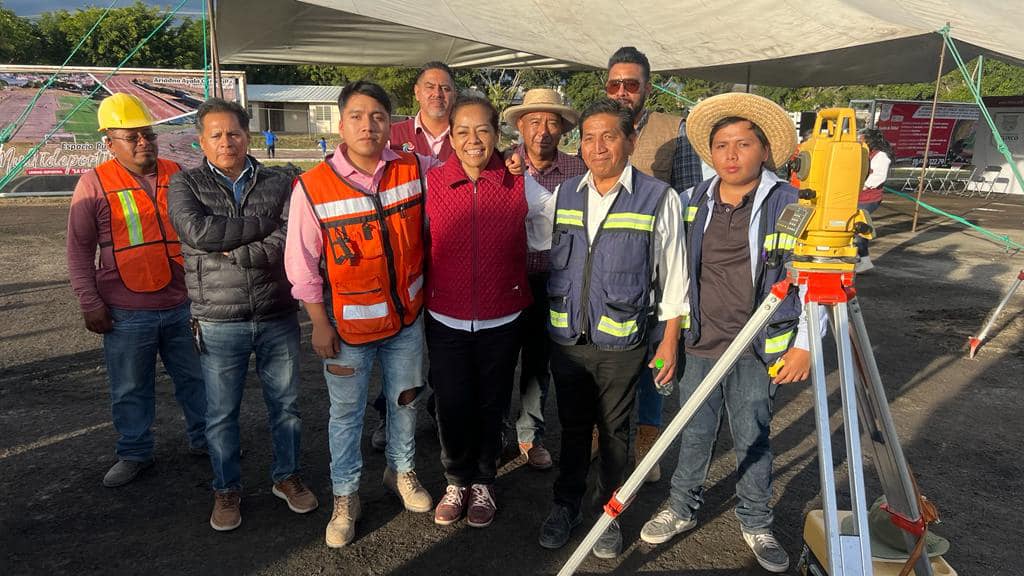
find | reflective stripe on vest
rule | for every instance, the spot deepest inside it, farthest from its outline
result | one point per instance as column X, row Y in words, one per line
column 691, row 214
column 779, row 241
column 569, row 217
column 778, row 344
column 617, row 329
column 143, row 241
column 372, row 248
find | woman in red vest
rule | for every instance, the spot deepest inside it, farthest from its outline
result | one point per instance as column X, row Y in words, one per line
column 476, row 289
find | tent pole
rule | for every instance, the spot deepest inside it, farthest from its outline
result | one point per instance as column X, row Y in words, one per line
column 748, row 78
column 218, row 88
column 928, row 140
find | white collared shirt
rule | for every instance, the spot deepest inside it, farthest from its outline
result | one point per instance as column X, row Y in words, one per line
column 434, row 143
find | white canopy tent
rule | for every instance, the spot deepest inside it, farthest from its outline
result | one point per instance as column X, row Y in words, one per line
column 770, row 42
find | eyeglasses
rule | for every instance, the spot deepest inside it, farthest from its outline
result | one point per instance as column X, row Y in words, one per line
column 632, row 86
column 147, row 136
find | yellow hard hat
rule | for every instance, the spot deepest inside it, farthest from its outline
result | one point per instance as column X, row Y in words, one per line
column 123, row 111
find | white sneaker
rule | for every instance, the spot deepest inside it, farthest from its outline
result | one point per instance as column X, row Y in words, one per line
column 768, row 551
column 863, row 265
column 664, row 526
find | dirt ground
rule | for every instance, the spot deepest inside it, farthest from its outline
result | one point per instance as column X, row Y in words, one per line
column 959, row 421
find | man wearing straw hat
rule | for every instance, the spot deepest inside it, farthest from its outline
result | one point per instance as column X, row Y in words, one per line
column 735, row 256
column 541, row 119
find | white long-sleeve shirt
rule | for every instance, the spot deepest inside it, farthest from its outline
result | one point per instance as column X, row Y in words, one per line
column 879, row 171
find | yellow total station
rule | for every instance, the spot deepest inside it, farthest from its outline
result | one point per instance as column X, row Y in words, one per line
column 832, row 165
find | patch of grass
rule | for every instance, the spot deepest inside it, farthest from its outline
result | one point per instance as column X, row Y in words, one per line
column 296, row 141
column 83, row 122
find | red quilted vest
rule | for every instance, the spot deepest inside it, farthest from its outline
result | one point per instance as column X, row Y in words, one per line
column 476, row 266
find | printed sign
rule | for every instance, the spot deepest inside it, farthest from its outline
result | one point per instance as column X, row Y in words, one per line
column 171, row 96
column 905, row 126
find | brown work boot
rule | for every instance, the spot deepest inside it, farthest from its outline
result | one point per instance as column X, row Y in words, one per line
column 295, row 493
column 646, row 436
column 342, row 527
column 408, row 488
column 537, row 456
column 227, row 510
column 481, row 506
column 452, row 506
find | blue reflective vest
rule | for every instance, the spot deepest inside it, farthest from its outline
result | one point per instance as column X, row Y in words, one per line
column 770, row 251
column 601, row 291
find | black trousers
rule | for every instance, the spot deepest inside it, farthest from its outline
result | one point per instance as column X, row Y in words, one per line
column 593, row 387
column 472, row 375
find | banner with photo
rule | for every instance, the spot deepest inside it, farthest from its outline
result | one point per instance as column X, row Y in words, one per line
column 905, row 126
column 172, row 96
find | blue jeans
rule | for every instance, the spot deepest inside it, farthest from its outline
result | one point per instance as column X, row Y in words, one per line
column 130, row 350
column 649, row 402
column 401, row 361
column 747, row 394
column 862, row 243
column 225, row 363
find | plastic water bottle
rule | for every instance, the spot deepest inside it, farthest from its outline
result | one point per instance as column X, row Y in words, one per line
column 665, row 390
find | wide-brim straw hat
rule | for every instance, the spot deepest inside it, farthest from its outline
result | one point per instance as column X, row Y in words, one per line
column 772, row 119
column 542, row 100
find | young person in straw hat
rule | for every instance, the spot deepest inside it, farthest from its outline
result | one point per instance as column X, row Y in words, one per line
column 735, row 256
column 541, row 119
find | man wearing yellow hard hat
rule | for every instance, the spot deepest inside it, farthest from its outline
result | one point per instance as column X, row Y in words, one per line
column 136, row 296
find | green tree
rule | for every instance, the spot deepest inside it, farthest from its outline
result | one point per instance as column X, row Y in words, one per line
column 18, row 41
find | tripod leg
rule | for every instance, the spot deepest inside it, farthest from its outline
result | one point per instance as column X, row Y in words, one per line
column 876, row 419
column 976, row 341
column 856, row 547
column 622, row 498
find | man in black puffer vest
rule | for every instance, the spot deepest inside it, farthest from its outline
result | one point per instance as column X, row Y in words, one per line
column 230, row 214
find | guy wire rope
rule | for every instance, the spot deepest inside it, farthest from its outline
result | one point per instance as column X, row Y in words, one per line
column 32, row 152
column 11, row 129
column 976, row 92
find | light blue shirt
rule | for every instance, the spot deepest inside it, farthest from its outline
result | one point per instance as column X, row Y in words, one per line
column 239, row 184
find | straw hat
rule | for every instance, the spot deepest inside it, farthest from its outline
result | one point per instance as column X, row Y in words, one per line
column 887, row 543
column 542, row 100
column 773, row 120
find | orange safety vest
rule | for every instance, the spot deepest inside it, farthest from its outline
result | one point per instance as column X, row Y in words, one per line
column 144, row 242
column 372, row 248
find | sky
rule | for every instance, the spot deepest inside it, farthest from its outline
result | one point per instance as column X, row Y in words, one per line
column 32, row 8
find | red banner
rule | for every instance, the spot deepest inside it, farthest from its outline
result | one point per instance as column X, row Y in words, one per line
column 905, row 126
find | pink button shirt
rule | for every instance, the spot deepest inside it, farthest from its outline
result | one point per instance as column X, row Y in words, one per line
column 304, row 246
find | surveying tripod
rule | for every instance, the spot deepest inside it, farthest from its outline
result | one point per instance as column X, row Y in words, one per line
column 832, row 164
column 975, row 341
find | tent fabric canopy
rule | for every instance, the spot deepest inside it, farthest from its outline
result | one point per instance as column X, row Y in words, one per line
column 770, row 42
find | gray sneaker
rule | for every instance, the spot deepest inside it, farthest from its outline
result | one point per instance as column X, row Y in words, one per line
column 768, row 551
column 609, row 545
column 664, row 526
column 124, row 472
column 379, row 439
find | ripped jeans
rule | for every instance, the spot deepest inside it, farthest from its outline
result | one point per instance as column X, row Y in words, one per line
column 348, row 378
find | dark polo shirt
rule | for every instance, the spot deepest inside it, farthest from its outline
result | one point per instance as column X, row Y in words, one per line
column 726, row 288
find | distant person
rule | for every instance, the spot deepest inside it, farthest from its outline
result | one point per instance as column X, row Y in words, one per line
column 136, row 297
column 323, row 147
column 271, row 141
column 880, row 158
column 230, row 212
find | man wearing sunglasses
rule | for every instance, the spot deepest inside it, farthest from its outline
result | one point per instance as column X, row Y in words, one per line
column 662, row 151
column 136, row 297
